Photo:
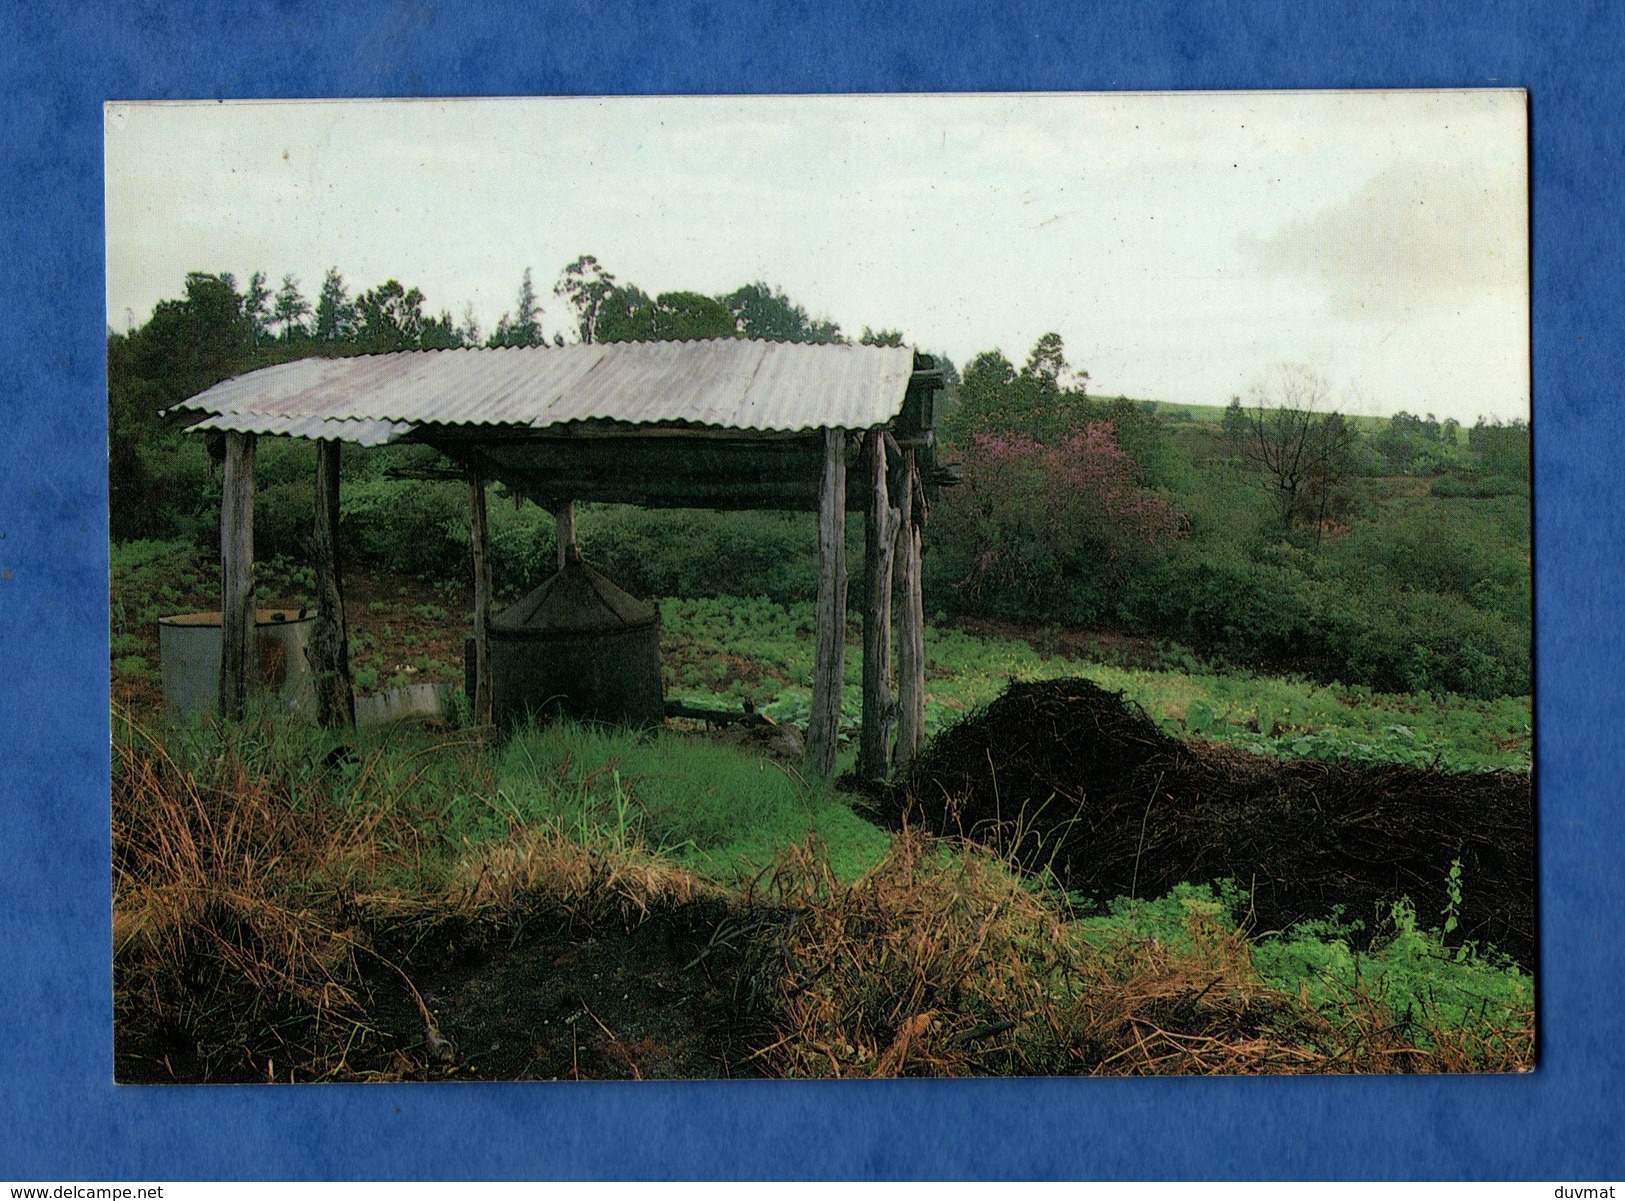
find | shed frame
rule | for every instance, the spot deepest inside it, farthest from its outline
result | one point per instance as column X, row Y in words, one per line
column 736, row 425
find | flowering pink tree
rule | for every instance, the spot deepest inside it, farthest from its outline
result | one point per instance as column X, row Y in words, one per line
column 1037, row 524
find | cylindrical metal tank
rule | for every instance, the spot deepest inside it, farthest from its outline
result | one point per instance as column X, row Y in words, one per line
column 189, row 659
column 580, row 646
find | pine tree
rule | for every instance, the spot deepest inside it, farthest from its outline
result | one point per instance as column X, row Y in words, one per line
column 525, row 328
column 256, row 307
column 335, row 312
column 290, row 310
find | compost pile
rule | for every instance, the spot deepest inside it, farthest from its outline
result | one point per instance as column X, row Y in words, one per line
column 1066, row 775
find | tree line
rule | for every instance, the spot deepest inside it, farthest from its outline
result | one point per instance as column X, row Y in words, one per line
column 219, row 328
column 392, row 316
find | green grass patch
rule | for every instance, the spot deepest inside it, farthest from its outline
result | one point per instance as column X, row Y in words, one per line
column 1410, row 969
column 718, row 810
column 766, row 653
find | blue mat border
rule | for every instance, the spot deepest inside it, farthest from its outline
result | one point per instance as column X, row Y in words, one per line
column 60, row 1116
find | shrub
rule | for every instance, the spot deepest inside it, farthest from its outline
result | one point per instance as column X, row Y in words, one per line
column 1039, row 529
column 413, row 527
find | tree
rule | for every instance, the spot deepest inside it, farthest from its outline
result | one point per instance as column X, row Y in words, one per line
column 689, row 316
column 1047, row 366
column 192, row 344
column 335, row 314
column 1235, row 424
column 468, row 333
column 439, row 333
column 1046, row 362
column 525, row 327
column 1300, row 452
column 1050, row 528
column 290, row 309
column 995, row 398
column 1400, row 441
column 880, row 337
column 391, row 318
column 1503, row 448
column 985, row 390
column 587, row 286
column 256, row 307
column 187, row 346
column 767, row 313
column 624, row 314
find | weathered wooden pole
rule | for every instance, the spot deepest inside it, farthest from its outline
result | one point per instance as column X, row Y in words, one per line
column 910, row 618
column 880, row 531
column 564, row 529
column 824, row 722
column 239, row 661
column 330, row 642
column 479, row 544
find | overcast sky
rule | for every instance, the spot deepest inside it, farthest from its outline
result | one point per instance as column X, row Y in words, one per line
column 1182, row 244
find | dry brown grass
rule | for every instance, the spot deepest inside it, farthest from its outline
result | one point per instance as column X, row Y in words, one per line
column 228, row 929
column 251, row 908
column 947, row 965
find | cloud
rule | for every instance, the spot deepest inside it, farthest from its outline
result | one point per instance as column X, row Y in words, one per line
column 1420, row 236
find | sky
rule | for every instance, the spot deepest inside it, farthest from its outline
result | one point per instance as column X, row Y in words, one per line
column 1186, row 246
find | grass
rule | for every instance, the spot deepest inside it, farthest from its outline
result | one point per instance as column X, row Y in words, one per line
column 264, row 872
column 724, row 651
column 433, row 795
column 1409, row 969
column 719, row 811
column 951, row 964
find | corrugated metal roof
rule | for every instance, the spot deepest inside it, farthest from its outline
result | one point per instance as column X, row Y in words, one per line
column 730, row 384
column 361, row 431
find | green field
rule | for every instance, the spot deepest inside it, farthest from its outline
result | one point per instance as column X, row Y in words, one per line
column 1289, row 716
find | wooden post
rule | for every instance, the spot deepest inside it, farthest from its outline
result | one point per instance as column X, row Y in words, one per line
column 910, row 621
column 330, row 643
column 880, row 527
column 564, row 529
column 824, row 723
column 239, row 658
column 480, row 546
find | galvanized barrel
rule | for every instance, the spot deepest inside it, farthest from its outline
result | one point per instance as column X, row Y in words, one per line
column 189, row 659
column 579, row 646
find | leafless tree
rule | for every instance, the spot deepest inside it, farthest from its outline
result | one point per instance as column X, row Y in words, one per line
column 1298, row 447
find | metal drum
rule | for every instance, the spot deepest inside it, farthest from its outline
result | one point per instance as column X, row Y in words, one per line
column 189, row 659
column 579, row 646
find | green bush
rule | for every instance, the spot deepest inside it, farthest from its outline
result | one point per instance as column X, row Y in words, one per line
column 284, row 515
column 413, row 527
column 696, row 553
column 1286, row 609
column 149, row 579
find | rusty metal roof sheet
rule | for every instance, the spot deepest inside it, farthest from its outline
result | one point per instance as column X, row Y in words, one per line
column 725, row 383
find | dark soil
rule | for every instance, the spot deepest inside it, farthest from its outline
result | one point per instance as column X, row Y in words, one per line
column 656, row 1000
column 665, row 997
column 1065, row 775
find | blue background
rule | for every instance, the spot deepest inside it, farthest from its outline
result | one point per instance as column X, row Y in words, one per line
column 60, row 1116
